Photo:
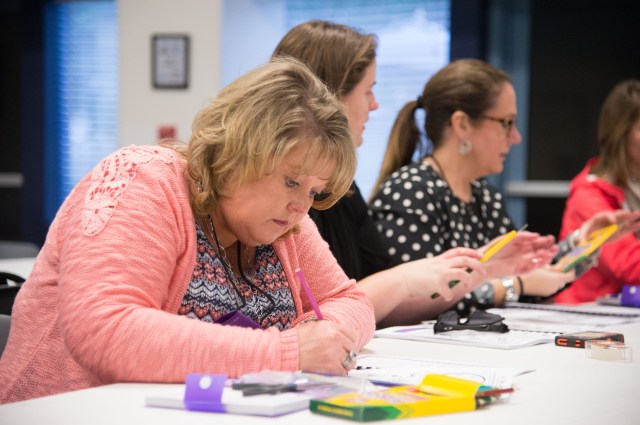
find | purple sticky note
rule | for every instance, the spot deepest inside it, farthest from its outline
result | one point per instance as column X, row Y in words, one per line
column 204, row 392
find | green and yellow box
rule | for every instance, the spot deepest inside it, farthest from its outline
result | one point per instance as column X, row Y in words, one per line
column 437, row 394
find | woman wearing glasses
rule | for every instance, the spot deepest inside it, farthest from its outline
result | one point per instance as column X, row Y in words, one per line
column 441, row 202
column 167, row 261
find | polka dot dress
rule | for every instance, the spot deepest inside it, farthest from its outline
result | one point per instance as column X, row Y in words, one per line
column 419, row 216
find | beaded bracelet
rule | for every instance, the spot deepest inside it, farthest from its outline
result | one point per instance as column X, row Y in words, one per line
column 307, row 320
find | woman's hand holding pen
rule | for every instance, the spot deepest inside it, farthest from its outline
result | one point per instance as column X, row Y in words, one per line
column 325, row 347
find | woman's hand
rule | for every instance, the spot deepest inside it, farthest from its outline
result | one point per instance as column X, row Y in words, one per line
column 544, row 281
column 324, row 346
column 525, row 252
column 627, row 221
column 432, row 275
column 403, row 294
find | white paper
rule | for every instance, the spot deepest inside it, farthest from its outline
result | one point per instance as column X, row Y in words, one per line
column 555, row 321
column 586, row 308
column 504, row 341
column 408, row 371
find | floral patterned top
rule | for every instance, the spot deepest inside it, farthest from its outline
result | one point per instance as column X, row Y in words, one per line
column 210, row 293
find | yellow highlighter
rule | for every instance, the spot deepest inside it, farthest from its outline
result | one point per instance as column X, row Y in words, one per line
column 490, row 252
column 499, row 244
column 585, row 249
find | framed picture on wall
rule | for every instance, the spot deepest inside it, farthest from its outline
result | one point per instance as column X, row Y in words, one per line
column 170, row 61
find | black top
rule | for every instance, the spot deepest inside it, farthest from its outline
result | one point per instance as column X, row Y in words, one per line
column 352, row 236
column 420, row 216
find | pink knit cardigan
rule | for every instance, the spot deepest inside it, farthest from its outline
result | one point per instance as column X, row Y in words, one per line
column 100, row 305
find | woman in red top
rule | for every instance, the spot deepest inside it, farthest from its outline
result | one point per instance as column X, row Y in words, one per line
column 609, row 182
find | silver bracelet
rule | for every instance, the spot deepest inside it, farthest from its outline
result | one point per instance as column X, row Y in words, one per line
column 509, row 290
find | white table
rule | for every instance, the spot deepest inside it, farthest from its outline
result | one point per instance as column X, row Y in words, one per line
column 566, row 388
column 20, row 266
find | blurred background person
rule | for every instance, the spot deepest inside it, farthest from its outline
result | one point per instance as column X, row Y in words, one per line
column 609, row 182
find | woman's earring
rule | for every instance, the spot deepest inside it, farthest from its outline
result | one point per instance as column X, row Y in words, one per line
column 465, row 147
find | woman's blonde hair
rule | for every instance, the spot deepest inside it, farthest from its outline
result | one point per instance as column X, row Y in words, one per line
column 468, row 85
column 255, row 122
column 338, row 54
column 619, row 113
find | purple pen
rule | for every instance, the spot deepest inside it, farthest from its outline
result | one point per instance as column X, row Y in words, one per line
column 307, row 290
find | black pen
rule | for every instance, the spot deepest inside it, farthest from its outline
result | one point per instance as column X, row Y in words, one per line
column 249, row 389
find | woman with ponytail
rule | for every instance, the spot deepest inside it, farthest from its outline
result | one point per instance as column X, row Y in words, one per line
column 442, row 201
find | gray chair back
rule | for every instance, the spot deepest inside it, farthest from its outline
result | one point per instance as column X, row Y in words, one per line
column 8, row 295
column 5, row 324
column 18, row 249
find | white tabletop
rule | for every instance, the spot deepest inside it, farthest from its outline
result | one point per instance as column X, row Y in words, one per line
column 565, row 388
column 20, row 266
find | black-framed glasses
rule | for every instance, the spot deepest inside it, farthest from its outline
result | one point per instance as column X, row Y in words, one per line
column 507, row 124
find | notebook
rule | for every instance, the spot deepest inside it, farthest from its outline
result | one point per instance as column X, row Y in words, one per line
column 214, row 393
column 234, row 402
column 504, row 341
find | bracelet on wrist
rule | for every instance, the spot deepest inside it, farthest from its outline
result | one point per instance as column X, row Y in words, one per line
column 307, row 320
column 509, row 290
column 521, row 285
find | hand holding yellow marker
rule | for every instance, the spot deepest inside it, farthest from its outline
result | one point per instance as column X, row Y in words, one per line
column 585, row 249
column 490, row 252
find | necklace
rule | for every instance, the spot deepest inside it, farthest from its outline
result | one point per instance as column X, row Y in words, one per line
column 444, row 177
column 226, row 264
column 228, row 271
column 221, row 250
column 239, row 251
